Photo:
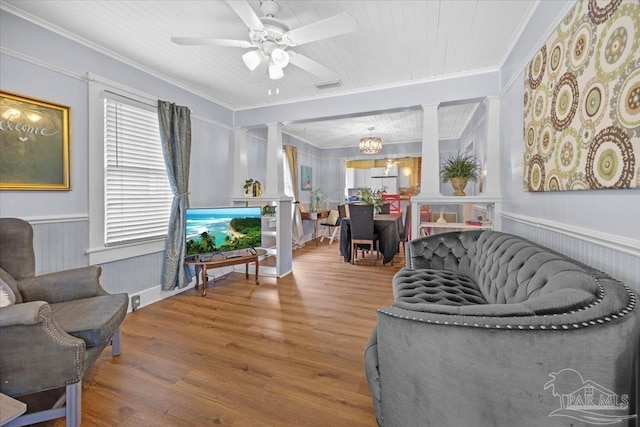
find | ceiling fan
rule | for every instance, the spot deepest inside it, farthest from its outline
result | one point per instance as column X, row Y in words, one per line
column 270, row 40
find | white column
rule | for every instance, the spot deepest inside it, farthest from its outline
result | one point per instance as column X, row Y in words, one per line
column 491, row 186
column 430, row 177
column 240, row 162
column 275, row 175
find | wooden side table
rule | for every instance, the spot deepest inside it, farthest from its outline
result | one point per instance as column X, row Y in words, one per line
column 243, row 256
column 314, row 217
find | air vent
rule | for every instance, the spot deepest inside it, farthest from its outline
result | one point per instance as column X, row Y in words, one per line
column 328, row 85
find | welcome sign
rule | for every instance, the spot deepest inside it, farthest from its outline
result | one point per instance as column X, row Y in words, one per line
column 582, row 101
column 34, row 144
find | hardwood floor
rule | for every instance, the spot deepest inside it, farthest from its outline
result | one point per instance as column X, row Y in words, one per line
column 288, row 352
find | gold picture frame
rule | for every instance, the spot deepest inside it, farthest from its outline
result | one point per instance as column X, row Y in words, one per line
column 34, row 144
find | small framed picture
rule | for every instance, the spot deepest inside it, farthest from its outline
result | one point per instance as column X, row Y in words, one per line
column 306, row 176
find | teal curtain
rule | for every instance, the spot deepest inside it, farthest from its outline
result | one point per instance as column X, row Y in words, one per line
column 175, row 135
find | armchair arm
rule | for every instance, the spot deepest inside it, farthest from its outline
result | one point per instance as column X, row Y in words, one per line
column 62, row 286
column 21, row 314
column 36, row 355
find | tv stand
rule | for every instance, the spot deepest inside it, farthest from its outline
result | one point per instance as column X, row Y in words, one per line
column 244, row 256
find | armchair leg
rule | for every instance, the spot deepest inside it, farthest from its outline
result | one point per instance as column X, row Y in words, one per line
column 74, row 404
column 115, row 343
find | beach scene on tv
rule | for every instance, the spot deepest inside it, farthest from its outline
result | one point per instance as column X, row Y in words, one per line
column 222, row 229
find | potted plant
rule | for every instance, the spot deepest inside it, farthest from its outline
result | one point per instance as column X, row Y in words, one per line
column 373, row 197
column 458, row 169
column 248, row 185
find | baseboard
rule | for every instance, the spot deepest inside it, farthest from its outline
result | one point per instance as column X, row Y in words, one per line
column 155, row 294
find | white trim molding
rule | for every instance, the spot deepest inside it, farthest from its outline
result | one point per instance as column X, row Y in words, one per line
column 611, row 241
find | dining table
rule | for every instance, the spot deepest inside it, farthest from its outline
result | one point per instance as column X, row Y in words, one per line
column 388, row 226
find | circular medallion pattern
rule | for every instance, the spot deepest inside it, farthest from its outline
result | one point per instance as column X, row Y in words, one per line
column 565, row 101
column 587, row 133
column 568, row 23
column 546, row 140
column 581, row 47
column 577, row 181
column 535, row 180
column 601, row 10
column 595, row 101
column 610, row 161
column 618, row 41
column 539, row 106
column 530, row 138
column 553, row 182
column 567, row 153
column 556, row 56
column 537, row 68
column 627, row 104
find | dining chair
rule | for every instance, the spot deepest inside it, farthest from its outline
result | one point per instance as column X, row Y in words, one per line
column 363, row 232
column 394, row 203
column 333, row 222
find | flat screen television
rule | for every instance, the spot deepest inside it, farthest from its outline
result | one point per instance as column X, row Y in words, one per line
column 222, row 229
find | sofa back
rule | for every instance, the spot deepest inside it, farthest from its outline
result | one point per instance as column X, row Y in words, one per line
column 510, row 270
column 507, row 269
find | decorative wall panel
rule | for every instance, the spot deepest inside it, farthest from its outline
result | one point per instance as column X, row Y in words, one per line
column 582, row 101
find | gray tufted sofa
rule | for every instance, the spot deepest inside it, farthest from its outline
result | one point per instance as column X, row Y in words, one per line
column 489, row 329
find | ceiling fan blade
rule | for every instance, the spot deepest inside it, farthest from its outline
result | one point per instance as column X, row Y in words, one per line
column 243, row 9
column 257, row 75
column 329, row 27
column 311, row 66
column 197, row 41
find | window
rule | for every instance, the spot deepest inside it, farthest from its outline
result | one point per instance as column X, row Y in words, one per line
column 137, row 193
column 129, row 194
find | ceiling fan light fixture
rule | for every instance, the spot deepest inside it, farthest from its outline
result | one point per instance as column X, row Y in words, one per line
column 280, row 57
column 252, row 59
column 275, row 72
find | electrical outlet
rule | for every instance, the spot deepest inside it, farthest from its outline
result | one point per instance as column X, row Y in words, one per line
column 135, row 302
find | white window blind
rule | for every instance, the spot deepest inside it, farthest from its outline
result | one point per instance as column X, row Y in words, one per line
column 137, row 196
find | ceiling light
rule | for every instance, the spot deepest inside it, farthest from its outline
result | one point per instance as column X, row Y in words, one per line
column 275, row 72
column 280, row 57
column 252, row 59
column 406, row 171
column 370, row 144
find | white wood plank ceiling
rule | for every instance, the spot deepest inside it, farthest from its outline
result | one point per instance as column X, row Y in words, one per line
column 395, row 42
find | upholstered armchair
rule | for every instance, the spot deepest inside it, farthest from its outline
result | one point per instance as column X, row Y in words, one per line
column 53, row 327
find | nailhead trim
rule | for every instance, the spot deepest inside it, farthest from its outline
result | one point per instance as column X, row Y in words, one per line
column 630, row 307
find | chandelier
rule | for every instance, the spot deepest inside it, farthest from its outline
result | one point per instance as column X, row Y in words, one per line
column 370, row 144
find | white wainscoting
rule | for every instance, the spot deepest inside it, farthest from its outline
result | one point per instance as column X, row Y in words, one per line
column 60, row 243
column 617, row 256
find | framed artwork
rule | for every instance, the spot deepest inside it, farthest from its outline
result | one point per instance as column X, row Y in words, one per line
column 306, row 183
column 581, row 102
column 34, row 142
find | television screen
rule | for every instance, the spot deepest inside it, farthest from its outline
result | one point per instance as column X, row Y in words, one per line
column 222, row 229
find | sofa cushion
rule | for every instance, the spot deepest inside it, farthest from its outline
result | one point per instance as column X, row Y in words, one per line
column 92, row 319
column 434, row 290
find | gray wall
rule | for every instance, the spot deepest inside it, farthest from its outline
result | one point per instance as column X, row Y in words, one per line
column 38, row 63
